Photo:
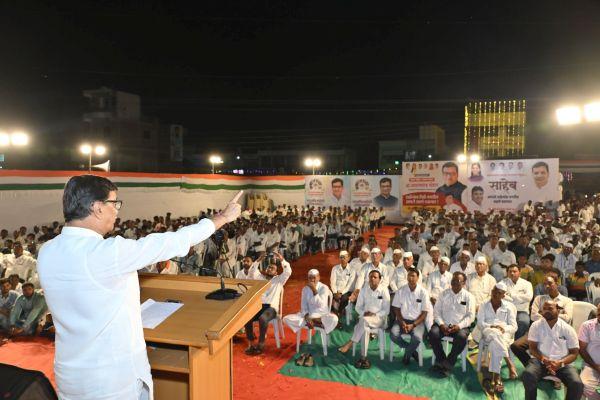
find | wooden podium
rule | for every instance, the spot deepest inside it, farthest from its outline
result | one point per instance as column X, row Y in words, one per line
column 190, row 353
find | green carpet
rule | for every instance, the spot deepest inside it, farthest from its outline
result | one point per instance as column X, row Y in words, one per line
column 396, row 378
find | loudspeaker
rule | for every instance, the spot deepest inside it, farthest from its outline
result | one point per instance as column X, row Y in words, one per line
column 24, row 384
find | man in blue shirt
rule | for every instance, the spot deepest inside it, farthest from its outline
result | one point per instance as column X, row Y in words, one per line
column 7, row 302
column 593, row 264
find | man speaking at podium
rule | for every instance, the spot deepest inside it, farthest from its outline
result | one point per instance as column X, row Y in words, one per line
column 92, row 290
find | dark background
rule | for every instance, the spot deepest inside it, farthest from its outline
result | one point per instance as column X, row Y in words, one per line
column 301, row 74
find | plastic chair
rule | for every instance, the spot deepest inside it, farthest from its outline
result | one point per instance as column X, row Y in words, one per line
column 581, row 311
column 277, row 322
column 349, row 308
column 446, row 340
column 483, row 351
column 323, row 334
column 365, row 343
column 420, row 349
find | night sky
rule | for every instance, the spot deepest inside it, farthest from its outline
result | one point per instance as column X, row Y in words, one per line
column 297, row 74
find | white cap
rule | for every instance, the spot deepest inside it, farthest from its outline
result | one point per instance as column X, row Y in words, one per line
column 343, row 253
column 445, row 259
column 501, row 286
column 502, row 240
column 375, row 250
column 434, row 248
column 466, row 253
column 313, row 272
column 407, row 254
column 569, row 245
column 397, row 251
column 365, row 249
column 481, row 259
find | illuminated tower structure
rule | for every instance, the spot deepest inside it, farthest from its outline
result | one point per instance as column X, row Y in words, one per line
column 495, row 129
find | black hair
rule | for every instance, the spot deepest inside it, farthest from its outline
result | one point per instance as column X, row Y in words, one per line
column 81, row 192
column 450, row 164
column 540, row 164
column 384, row 180
column 377, row 271
column 464, row 276
column 28, row 284
column 336, row 180
column 412, row 269
column 476, row 188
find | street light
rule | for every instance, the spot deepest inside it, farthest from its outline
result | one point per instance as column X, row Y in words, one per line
column 87, row 149
column 4, row 139
column 475, row 158
column 568, row 115
column 461, row 158
column 312, row 163
column 214, row 159
column 17, row 139
column 591, row 112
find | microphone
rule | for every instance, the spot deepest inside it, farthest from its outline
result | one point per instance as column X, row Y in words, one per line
column 220, row 294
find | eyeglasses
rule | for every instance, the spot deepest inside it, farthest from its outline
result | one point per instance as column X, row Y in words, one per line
column 117, row 203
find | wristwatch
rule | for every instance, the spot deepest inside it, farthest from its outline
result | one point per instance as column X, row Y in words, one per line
column 562, row 364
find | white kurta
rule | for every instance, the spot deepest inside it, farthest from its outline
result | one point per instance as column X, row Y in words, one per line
column 496, row 341
column 92, row 290
column 316, row 306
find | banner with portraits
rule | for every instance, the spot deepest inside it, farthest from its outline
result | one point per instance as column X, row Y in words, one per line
column 355, row 191
column 479, row 186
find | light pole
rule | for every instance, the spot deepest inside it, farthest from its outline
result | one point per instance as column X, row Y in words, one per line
column 14, row 139
column 87, row 149
column 312, row 163
column 575, row 114
column 215, row 159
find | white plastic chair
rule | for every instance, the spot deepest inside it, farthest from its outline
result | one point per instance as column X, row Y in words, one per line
column 277, row 322
column 364, row 343
column 309, row 332
column 581, row 311
column 420, row 349
column 446, row 340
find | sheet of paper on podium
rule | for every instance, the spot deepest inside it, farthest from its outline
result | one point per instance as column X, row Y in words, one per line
column 155, row 312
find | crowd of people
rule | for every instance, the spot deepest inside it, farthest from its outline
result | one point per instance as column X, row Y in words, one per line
column 502, row 281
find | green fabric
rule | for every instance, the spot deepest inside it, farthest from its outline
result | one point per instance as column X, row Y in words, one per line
column 396, row 378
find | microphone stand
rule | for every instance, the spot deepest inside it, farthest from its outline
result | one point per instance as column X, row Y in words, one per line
column 220, row 294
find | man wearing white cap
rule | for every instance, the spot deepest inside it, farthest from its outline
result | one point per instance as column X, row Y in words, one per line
column 497, row 323
column 362, row 278
column 314, row 306
column 565, row 261
column 342, row 283
column 439, row 280
column 364, row 257
column 398, row 278
column 480, row 283
column 431, row 265
column 463, row 264
column 501, row 259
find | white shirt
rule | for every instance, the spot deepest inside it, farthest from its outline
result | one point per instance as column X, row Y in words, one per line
column 538, row 302
column 553, row 343
column 520, row 293
column 454, row 309
column 505, row 316
column 342, row 279
column 362, row 278
column 457, row 268
column 92, row 290
column 24, row 266
column 565, row 264
column 438, row 282
column 271, row 296
column 411, row 303
column 481, row 287
column 253, row 273
column 589, row 332
column 376, row 301
column 315, row 303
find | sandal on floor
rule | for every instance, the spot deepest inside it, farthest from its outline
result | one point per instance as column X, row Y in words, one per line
column 309, row 361
column 499, row 388
column 300, row 360
column 487, row 385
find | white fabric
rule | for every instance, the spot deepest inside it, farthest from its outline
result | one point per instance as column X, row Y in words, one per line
column 538, row 302
column 92, row 290
column 342, row 279
column 438, row 282
column 25, row 266
column 362, row 277
column 316, row 306
column 454, row 308
column 253, row 273
column 271, row 296
column 412, row 303
column 553, row 343
column 480, row 287
column 470, row 269
column 520, row 293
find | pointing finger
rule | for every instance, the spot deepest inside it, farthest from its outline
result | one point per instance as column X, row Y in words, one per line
column 237, row 196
